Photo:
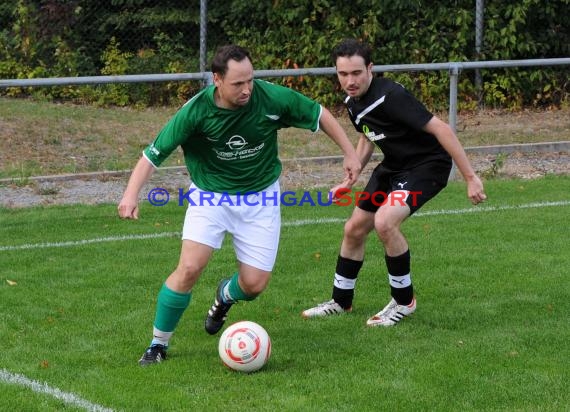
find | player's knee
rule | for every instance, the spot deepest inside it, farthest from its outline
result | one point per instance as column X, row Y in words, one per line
column 189, row 269
column 386, row 228
column 354, row 231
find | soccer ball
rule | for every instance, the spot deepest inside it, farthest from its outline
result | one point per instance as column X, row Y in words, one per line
column 244, row 346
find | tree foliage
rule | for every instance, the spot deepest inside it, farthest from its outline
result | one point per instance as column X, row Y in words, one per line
column 62, row 38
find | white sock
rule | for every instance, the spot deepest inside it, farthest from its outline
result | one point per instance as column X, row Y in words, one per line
column 226, row 293
column 160, row 338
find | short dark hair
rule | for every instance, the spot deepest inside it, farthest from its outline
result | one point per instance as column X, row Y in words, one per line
column 226, row 53
column 352, row 47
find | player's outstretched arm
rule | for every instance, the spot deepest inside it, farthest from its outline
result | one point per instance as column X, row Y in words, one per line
column 334, row 130
column 364, row 150
column 128, row 206
column 447, row 138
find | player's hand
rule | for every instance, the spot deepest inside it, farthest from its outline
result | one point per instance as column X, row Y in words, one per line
column 339, row 189
column 475, row 190
column 352, row 168
column 128, row 209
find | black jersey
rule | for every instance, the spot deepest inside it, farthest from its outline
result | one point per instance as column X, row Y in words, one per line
column 392, row 118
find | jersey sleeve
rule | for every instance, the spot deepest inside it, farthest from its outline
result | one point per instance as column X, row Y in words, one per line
column 297, row 110
column 178, row 129
column 357, row 127
column 403, row 107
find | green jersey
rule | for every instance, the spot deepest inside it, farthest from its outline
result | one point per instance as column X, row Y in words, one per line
column 234, row 151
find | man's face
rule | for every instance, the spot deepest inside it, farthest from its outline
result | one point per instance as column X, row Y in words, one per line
column 234, row 88
column 354, row 76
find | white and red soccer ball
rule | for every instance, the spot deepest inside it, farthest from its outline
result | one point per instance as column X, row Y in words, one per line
column 244, row 346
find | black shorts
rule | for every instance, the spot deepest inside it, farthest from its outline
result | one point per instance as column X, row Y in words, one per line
column 422, row 182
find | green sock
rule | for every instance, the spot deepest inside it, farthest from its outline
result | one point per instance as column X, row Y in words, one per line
column 170, row 306
column 234, row 291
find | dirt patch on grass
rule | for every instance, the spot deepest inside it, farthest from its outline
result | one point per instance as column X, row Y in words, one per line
column 297, row 175
column 527, row 126
column 43, row 139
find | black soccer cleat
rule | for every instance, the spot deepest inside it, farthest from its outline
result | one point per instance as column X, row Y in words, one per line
column 153, row 354
column 218, row 313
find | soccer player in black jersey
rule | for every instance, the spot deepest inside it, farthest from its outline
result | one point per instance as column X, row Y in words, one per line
column 418, row 150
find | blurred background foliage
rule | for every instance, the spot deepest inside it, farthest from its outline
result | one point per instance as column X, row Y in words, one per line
column 68, row 38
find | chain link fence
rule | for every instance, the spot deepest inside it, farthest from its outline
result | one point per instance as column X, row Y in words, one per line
column 80, row 38
column 42, row 39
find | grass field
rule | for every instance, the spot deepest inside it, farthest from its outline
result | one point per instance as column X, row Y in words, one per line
column 78, row 288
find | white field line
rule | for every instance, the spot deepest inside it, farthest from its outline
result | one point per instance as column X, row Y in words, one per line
column 89, row 241
column 294, row 223
column 43, row 388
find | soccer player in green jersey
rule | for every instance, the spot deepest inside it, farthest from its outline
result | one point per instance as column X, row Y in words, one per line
column 228, row 134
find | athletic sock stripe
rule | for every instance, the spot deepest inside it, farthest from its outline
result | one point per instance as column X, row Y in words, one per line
column 400, row 282
column 344, row 283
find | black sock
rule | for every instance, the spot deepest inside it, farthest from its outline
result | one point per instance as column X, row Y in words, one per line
column 401, row 287
column 345, row 280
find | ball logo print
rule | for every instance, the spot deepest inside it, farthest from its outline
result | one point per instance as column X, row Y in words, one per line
column 244, row 346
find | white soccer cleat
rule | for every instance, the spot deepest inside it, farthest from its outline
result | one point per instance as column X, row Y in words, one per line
column 392, row 314
column 325, row 309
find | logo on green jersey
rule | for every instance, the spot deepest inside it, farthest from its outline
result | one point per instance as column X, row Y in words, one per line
column 238, row 151
column 154, row 150
column 236, row 142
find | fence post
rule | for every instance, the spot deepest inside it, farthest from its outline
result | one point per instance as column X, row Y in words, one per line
column 203, row 36
column 479, row 10
column 454, row 70
column 453, row 80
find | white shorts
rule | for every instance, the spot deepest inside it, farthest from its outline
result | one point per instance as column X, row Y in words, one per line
column 253, row 221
